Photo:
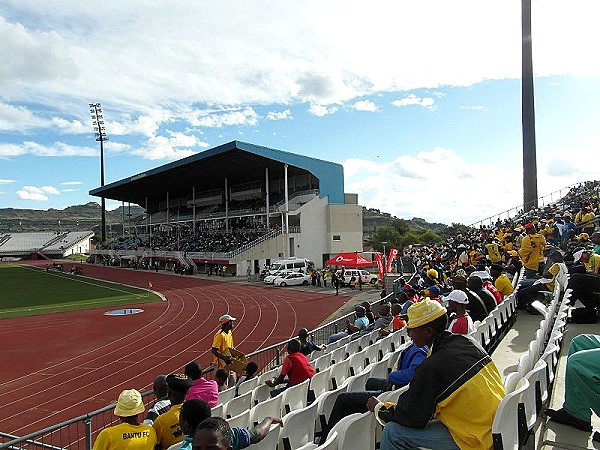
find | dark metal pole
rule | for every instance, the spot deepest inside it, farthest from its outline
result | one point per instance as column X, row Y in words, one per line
column 528, row 111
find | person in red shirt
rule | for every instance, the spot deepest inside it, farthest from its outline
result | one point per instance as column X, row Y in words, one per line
column 295, row 366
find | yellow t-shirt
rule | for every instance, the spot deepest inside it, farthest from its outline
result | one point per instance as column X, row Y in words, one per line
column 593, row 265
column 223, row 342
column 504, row 285
column 126, row 437
column 493, row 251
column 168, row 431
column 532, row 250
column 554, row 269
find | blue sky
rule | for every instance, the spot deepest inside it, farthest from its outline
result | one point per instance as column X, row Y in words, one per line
column 419, row 100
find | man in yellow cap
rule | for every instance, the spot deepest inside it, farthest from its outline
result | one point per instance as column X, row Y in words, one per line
column 532, row 250
column 129, row 434
column 452, row 399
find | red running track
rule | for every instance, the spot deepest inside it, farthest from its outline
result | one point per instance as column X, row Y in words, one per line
column 58, row 366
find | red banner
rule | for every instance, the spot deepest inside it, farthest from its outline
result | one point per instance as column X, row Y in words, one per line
column 379, row 261
column 392, row 256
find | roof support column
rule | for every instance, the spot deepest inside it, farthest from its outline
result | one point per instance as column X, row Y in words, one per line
column 122, row 218
column 267, row 194
column 287, row 204
column 194, row 208
column 226, row 207
column 168, row 221
column 147, row 215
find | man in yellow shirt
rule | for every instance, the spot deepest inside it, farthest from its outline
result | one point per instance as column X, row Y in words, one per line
column 129, row 434
column 223, row 342
column 501, row 281
column 528, row 293
column 532, row 250
column 168, row 430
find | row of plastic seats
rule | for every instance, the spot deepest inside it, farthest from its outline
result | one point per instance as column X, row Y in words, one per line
column 528, row 389
column 494, row 327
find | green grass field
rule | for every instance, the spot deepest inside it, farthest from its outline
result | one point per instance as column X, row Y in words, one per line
column 27, row 291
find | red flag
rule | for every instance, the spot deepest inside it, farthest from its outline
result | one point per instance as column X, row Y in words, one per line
column 149, row 285
column 379, row 261
column 392, row 256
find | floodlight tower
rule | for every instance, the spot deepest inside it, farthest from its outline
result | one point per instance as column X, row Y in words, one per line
column 100, row 133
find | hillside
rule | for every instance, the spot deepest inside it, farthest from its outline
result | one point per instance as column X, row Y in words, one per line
column 87, row 217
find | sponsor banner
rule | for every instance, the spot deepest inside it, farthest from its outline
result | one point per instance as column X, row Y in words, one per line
column 379, row 261
column 392, row 256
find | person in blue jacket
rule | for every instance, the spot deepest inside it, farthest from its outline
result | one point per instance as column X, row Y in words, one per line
column 356, row 402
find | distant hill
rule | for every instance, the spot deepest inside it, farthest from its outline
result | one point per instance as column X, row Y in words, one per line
column 78, row 217
column 87, row 217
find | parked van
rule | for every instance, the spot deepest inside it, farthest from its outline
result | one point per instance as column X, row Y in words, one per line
column 295, row 264
column 365, row 276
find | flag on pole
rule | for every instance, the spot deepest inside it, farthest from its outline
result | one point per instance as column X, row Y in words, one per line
column 393, row 255
column 379, row 261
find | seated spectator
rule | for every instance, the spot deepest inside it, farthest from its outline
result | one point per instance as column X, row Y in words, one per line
column 307, row 346
column 204, row 389
column 295, row 369
column 129, row 434
column 369, row 314
column 433, row 292
column 166, row 425
column 476, row 307
column 530, row 289
column 249, row 373
column 360, row 322
column 221, row 377
column 402, row 373
column 398, row 321
column 582, row 390
column 162, row 403
column 438, row 411
column 586, row 287
column 501, row 281
column 353, row 282
column 460, row 321
column 191, row 414
column 214, row 433
column 382, row 322
column 475, row 284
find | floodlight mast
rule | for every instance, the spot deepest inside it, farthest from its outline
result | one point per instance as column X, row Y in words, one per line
column 100, row 133
column 530, row 196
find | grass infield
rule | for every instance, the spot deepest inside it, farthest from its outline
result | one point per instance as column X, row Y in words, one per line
column 28, row 291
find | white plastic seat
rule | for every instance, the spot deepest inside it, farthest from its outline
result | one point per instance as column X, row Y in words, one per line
column 511, row 381
column 392, row 396
column 380, row 369
column 242, row 420
column 295, row 397
column 320, row 382
column 359, row 434
column 268, row 374
column 317, row 354
column 352, row 347
column 238, row 405
column 226, row 395
column 325, row 404
column 372, row 354
column 339, row 373
column 331, row 443
column 505, row 427
column 299, row 428
column 364, row 341
column 217, row 411
column 525, row 364
column 342, row 426
column 321, row 363
column 550, row 357
column 537, row 379
column 357, row 383
column 260, row 393
column 338, row 355
column 356, row 363
column 270, row 441
column 267, row 408
column 529, row 405
column 385, row 345
column 247, row 386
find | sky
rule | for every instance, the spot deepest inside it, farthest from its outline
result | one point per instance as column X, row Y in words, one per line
column 418, row 100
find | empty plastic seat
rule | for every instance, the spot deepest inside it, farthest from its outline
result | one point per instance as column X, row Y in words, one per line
column 505, row 427
column 260, row 393
column 339, row 373
column 295, row 397
column 331, row 443
column 267, row 408
column 247, row 386
column 359, row 434
column 226, row 395
column 242, row 420
column 270, row 441
column 299, row 428
column 319, row 383
column 238, row 405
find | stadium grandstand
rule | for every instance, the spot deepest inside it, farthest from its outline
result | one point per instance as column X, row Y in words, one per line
column 239, row 205
column 528, row 342
column 57, row 244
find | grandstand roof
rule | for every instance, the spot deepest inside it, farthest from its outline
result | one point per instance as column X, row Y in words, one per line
column 239, row 162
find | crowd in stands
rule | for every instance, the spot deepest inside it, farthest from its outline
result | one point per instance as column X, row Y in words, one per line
column 451, row 386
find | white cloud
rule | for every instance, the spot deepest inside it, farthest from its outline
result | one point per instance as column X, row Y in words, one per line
column 365, row 105
column 220, row 118
column 36, row 193
column 321, row 110
column 56, row 149
column 71, row 183
column 72, row 126
column 170, row 148
column 7, row 181
column 70, row 190
column 18, row 118
column 279, row 115
column 482, row 108
column 412, row 99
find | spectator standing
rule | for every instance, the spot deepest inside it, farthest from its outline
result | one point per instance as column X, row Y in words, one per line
column 532, row 250
column 223, row 342
column 202, row 388
column 437, row 410
column 168, row 431
column 295, row 367
column 162, row 403
column 129, row 434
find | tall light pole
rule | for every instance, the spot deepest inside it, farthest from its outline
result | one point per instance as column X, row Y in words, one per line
column 100, row 133
column 384, row 263
column 528, row 111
